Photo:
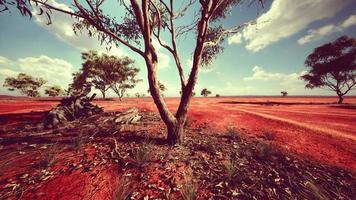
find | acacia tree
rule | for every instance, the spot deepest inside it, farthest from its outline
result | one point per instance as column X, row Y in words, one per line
column 205, row 92
column 146, row 20
column 284, row 93
column 26, row 84
column 54, row 91
column 333, row 65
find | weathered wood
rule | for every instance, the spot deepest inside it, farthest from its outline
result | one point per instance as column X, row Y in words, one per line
column 69, row 109
column 128, row 117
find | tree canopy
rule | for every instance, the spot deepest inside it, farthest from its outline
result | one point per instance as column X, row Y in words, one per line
column 105, row 72
column 205, row 92
column 333, row 65
column 53, row 91
column 26, row 84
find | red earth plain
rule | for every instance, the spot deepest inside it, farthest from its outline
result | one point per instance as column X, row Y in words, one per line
column 314, row 127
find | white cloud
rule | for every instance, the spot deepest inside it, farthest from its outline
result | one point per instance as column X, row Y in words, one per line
column 286, row 18
column 56, row 71
column 205, row 69
column 235, row 39
column 260, row 74
column 4, row 60
column 62, row 28
column 163, row 59
column 351, row 21
column 316, row 34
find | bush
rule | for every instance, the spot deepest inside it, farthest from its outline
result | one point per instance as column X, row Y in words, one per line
column 124, row 190
column 142, row 155
column 189, row 189
column 265, row 151
column 231, row 133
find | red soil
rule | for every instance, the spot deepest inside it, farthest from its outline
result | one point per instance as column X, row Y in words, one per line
column 310, row 126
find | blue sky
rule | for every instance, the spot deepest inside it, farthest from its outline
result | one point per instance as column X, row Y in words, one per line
column 263, row 59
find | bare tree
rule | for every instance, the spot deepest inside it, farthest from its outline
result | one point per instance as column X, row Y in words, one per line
column 144, row 21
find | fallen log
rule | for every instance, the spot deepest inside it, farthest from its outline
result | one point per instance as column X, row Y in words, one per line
column 69, row 109
column 130, row 116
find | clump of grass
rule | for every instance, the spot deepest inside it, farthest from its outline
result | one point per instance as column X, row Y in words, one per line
column 265, row 151
column 208, row 147
column 124, row 190
column 269, row 136
column 189, row 190
column 77, row 143
column 48, row 157
column 231, row 132
column 142, row 155
column 230, row 169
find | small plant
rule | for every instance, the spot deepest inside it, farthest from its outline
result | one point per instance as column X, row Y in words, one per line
column 189, row 189
column 265, row 151
column 208, row 147
column 142, row 155
column 268, row 136
column 124, row 190
column 231, row 169
column 231, row 132
column 48, row 158
column 77, row 142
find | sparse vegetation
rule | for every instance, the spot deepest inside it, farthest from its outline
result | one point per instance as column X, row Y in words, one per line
column 205, row 92
column 189, row 190
column 54, row 91
column 142, row 154
column 26, row 84
column 125, row 188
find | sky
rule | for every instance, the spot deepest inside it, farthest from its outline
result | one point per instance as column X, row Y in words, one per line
column 264, row 58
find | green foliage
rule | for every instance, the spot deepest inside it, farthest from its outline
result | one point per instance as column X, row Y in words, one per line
column 26, row 84
column 105, row 72
column 284, row 93
column 205, row 92
column 54, row 91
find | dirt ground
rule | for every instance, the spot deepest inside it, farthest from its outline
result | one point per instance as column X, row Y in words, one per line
column 313, row 128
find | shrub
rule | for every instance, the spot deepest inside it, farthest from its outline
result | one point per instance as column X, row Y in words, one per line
column 231, row 132
column 142, row 155
column 208, row 147
column 124, row 190
column 268, row 136
column 189, row 189
column 265, row 151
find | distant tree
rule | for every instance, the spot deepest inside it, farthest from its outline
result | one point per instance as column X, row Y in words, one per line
column 54, row 91
column 161, row 86
column 104, row 72
column 217, row 95
column 333, row 65
column 284, row 93
column 122, row 75
column 26, row 84
column 205, row 92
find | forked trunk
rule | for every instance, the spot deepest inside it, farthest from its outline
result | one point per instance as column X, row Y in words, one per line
column 175, row 133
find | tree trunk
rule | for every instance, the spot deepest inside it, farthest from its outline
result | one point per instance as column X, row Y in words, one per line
column 103, row 93
column 341, row 99
column 175, row 133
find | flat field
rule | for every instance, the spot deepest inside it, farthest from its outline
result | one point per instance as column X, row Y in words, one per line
column 284, row 148
column 312, row 126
